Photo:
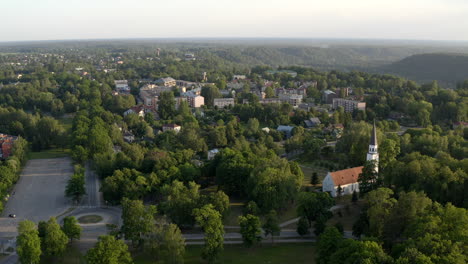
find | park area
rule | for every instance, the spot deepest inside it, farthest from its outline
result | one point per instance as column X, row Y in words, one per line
column 232, row 254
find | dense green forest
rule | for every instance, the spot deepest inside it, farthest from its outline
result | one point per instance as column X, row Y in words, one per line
column 445, row 68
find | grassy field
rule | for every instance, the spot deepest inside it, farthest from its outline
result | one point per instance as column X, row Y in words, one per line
column 309, row 169
column 90, row 219
column 71, row 256
column 238, row 254
column 347, row 215
column 50, row 154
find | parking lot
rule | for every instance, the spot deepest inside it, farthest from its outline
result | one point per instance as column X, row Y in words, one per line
column 39, row 194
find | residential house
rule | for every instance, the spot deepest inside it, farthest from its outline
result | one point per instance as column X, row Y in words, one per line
column 287, row 130
column 212, row 154
column 312, row 122
column 171, row 127
column 138, row 109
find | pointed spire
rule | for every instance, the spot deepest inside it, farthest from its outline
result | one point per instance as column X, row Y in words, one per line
column 373, row 140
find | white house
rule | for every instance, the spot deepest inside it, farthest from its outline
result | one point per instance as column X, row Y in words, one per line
column 348, row 179
column 139, row 110
column 212, row 153
column 171, row 127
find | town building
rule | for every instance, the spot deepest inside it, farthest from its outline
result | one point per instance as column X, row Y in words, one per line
column 212, row 154
column 168, row 81
column 328, row 95
column 348, row 105
column 150, row 98
column 287, row 130
column 312, row 122
column 122, row 86
column 293, row 99
column 270, row 101
column 223, row 102
column 138, row 109
column 190, row 57
column 195, row 101
column 239, row 77
column 6, row 145
column 347, row 180
column 171, row 127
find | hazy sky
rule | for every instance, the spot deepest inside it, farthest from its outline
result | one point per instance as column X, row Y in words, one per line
column 88, row 19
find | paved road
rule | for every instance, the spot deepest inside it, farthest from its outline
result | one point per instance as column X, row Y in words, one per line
column 93, row 197
column 10, row 259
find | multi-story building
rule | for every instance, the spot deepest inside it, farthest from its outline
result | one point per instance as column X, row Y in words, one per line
column 270, row 101
column 122, row 86
column 328, row 95
column 168, row 81
column 293, row 99
column 348, row 105
column 223, row 102
column 150, row 98
column 6, row 145
column 195, row 100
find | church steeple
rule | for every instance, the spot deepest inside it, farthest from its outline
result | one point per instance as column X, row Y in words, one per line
column 373, row 153
column 373, row 139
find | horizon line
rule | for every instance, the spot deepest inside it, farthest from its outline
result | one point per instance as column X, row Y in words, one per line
column 240, row 38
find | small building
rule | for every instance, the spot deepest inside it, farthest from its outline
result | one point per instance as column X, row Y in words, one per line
column 223, row 102
column 346, row 179
column 171, row 127
column 239, row 77
column 128, row 137
column 287, row 130
column 122, row 86
column 189, row 57
column 312, row 122
column 138, row 109
column 212, row 153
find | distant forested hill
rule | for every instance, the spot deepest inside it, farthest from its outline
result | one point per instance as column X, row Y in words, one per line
column 447, row 69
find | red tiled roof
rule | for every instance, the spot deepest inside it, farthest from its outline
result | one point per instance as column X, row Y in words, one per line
column 347, row 176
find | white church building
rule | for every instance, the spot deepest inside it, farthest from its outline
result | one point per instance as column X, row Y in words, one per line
column 348, row 179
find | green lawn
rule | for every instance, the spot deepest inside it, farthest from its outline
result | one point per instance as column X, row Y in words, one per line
column 347, row 215
column 238, row 254
column 66, row 123
column 50, row 154
column 71, row 256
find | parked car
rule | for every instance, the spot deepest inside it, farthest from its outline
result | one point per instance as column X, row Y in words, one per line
column 12, row 215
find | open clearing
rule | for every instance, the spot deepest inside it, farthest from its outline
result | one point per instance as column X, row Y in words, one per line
column 39, row 193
